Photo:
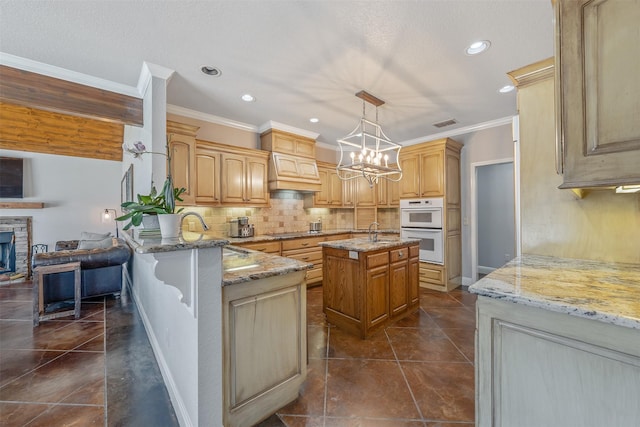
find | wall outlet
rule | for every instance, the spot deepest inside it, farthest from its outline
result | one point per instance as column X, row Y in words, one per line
column 465, row 221
column 507, row 257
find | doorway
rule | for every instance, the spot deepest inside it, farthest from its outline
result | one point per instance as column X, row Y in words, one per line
column 493, row 225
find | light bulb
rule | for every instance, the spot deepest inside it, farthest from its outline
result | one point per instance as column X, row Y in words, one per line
column 364, row 152
column 386, row 159
column 368, row 159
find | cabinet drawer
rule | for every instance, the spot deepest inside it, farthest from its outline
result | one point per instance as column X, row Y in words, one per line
column 376, row 260
column 432, row 275
column 399, row 254
column 314, row 275
column 414, row 251
column 306, row 242
column 307, row 255
column 268, row 247
column 337, row 237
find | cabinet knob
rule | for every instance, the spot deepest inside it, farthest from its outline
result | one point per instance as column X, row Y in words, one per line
column 305, row 244
column 400, row 254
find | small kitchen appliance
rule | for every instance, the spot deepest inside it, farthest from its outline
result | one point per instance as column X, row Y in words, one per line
column 316, row 226
column 240, row 227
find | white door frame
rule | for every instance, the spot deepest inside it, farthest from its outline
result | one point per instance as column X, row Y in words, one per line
column 474, row 210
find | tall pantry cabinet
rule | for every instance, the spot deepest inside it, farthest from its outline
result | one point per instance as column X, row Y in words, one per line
column 432, row 169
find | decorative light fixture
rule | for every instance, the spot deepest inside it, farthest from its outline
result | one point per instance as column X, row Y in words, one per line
column 367, row 151
column 109, row 215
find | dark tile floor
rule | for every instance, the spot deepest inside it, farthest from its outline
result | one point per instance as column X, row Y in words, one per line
column 100, row 370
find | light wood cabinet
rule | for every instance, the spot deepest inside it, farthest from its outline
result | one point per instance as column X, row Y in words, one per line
column 364, row 291
column 349, row 194
column 270, row 247
column 427, row 168
column 244, row 179
column 330, row 194
column 288, row 143
column 365, row 194
column 598, row 92
column 437, row 166
column 182, row 146
column 388, row 194
column 207, row 177
column 264, row 346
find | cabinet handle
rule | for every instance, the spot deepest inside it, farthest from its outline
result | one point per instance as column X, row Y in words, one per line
column 400, row 254
column 305, row 244
column 305, row 258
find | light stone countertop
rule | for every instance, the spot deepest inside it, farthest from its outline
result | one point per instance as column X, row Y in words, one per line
column 300, row 234
column 242, row 265
column 607, row 292
column 186, row 241
column 363, row 244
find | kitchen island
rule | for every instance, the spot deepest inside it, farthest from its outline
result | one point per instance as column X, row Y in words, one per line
column 369, row 284
column 558, row 344
column 196, row 297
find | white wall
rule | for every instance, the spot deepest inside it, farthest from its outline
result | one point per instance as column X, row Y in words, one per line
column 74, row 190
column 496, row 206
column 481, row 146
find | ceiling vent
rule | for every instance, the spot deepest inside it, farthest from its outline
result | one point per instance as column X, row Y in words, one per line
column 445, row 123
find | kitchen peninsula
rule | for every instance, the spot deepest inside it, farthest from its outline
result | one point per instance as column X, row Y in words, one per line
column 369, row 283
column 203, row 304
column 558, row 344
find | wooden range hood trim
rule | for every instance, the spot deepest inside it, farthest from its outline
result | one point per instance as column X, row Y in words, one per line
column 35, row 90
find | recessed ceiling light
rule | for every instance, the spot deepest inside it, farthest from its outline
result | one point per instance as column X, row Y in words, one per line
column 506, row 89
column 211, row 71
column 314, row 120
column 247, row 97
column 478, row 47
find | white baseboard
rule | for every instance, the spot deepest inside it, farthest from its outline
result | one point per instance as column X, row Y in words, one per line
column 176, row 399
column 467, row 281
column 485, row 270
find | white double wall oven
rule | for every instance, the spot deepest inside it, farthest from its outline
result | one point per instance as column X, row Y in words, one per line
column 422, row 219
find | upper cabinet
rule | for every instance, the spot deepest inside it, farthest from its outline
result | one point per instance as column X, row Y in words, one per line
column 430, row 169
column 284, row 142
column 207, row 176
column 182, row 145
column 330, row 193
column 598, row 92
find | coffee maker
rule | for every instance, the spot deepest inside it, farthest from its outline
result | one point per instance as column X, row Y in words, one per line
column 240, row 227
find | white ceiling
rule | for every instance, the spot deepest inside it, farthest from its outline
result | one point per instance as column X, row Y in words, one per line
column 300, row 59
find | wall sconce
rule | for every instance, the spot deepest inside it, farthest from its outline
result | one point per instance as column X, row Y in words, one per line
column 109, row 215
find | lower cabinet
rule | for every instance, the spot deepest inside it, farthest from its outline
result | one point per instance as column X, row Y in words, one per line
column 264, row 346
column 364, row 291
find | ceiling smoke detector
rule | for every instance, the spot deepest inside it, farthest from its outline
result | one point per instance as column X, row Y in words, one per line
column 211, row 71
column 445, row 123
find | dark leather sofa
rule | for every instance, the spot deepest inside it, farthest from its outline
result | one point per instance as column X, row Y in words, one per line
column 101, row 270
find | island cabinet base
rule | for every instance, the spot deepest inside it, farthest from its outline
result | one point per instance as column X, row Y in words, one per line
column 536, row 367
column 264, row 346
column 364, row 291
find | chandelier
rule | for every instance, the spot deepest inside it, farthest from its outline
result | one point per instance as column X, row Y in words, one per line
column 367, row 152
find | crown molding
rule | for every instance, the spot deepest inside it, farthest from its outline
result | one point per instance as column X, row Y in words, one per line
column 149, row 71
column 460, row 131
column 209, row 118
column 286, row 128
column 67, row 75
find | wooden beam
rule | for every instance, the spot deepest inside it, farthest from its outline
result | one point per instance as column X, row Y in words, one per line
column 28, row 129
column 60, row 96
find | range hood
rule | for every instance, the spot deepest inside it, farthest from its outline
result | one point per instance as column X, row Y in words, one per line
column 292, row 160
column 288, row 172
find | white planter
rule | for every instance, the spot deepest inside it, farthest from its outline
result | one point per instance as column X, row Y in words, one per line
column 150, row 222
column 170, row 225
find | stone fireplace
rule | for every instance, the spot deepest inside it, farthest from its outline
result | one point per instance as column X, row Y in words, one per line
column 18, row 231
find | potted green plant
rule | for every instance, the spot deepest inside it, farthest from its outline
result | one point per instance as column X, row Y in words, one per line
column 162, row 204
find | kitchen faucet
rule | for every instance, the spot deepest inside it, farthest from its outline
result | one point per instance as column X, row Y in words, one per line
column 205, row 227
column 375, row 232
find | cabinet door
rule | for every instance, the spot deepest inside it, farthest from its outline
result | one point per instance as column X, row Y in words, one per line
column 414, row 282
column 366, row 195
column 335, row 185
column 256, row 181
column 410, row 182
column 233, row 178
column 432, row 174
column 393, row 193
column 348, row 193
column 598, row 88
column 207, row 177
column 398, row 288
column 383, row 193
column 183, row 166
column 321, row 198
column 377, row 294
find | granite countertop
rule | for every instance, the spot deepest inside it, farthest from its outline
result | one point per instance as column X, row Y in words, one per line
column 186, row 241
column 300, row 234
column 242, row 265
column 363, row 244
column 607, row 292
